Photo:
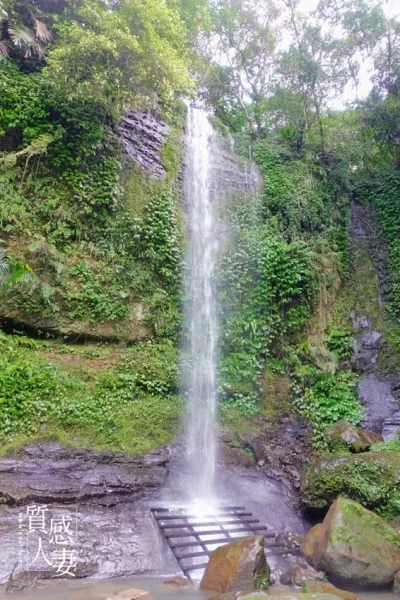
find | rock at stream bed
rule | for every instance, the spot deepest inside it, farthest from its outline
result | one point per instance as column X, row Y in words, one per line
column 345, row 433
column 379, row 403
column 131, row 594
column 236, row 566
column 297, row 576
column 354, row 545
column 257, row 595
column 323, row 587
column 177, row 582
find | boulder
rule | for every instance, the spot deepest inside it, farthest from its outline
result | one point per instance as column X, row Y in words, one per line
column 379, row 402
column 346, row 434
column 242, row 595
column 391, row 428
column 324, row 587
column 372, row 339
column 354, row 545
column 179, row 582
column 395, row 523
column 131, row 594
column 237, row 566
column 372, row 478
column 396, row 584
column 307, row 547
column 295, row 575
column 367, row 350
column 256, row 594
column 282, row 444
column 289, row 541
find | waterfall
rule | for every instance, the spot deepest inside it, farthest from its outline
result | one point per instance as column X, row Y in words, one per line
column 200, row 312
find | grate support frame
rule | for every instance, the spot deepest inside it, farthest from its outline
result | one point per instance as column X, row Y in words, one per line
column 180, row 529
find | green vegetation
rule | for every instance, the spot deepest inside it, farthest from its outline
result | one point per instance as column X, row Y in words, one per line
column 381, row 194
column 101, row 396
column 370, row 478
column 105, row 242
column 13, row 271
column 262, row 580
column 281, row 269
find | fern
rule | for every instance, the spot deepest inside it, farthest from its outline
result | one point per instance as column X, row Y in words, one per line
column 13, row 271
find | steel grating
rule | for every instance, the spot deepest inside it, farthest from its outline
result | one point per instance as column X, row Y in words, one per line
column 191, row 538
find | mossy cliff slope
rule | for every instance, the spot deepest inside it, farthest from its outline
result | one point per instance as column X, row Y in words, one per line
column 105, row 277
column 109, row 272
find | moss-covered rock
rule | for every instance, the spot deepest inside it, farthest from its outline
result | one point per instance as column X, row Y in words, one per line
column 236, row 566
column 371, row 478
column 354, row 545
column 345, row 434
column 327, row 588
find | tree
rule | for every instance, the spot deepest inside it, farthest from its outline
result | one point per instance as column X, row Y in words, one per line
column 131, row 53
column 24, row 32
column 245, row 39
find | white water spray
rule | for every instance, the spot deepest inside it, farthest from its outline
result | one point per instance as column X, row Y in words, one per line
column 199, row 370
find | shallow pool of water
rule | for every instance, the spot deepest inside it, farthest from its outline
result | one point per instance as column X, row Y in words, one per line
column 89, row 589
column 99, row 590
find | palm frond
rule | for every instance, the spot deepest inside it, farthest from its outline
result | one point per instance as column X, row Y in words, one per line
column 43, row 33
column 4, row 50
column 13, row 271
column 21, row 36
column 4, row 266
column 35, row 48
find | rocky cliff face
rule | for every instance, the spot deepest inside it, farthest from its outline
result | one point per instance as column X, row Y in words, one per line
column 142, row 136
column 233, row 174
column 98, row 492
column 374, row 353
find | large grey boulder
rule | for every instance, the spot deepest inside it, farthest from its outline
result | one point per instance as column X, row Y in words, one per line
column 391, row 428
column 256, row 595
column 131, row 594
column 372, row 339
column 379, row 402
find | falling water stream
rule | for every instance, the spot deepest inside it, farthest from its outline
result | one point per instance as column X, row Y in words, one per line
column 199, row 370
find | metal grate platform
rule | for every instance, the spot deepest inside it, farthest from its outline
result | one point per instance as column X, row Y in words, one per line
column 191, row 538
